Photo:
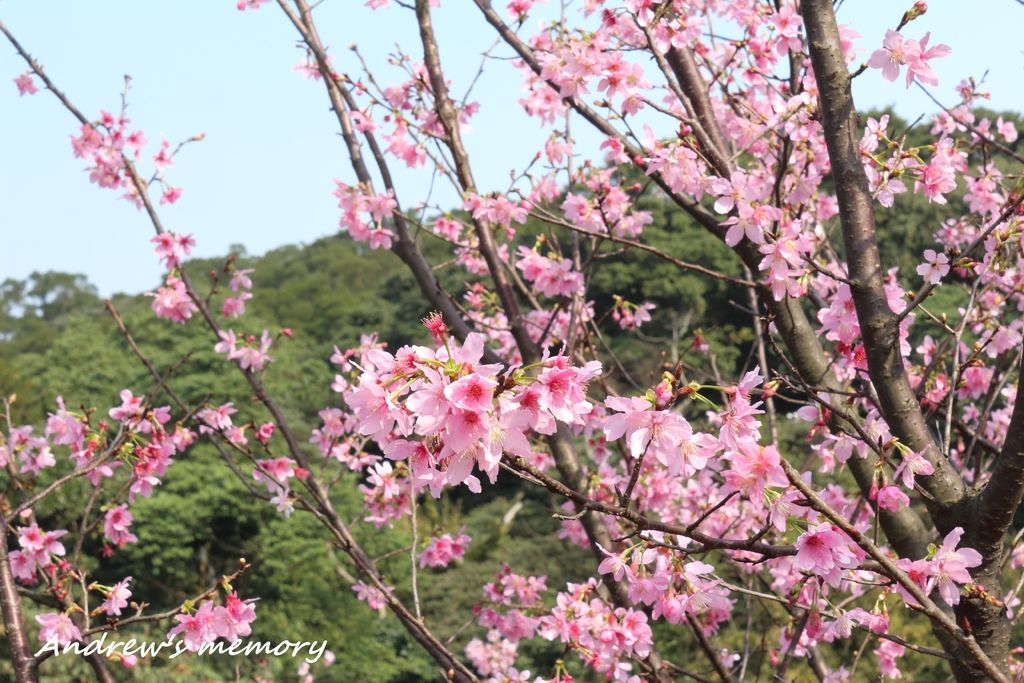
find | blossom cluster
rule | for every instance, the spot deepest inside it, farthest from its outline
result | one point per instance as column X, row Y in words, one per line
column 204, row 625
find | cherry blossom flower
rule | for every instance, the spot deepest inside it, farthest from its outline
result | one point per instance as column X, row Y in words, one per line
column 131, row 407
column 117, row 597
column 444, row 550
column 897, row 51
column 198, row 628
column 372, row 596
column 115, row 526
column 892, row 498
column 951, row 565
column 253, row 5
column 26, row 85
column 58, row 628
column 821, row 548
column 240, row 279
column 232, row 620
column 935, row 267
column 234, row 306
column 660, row 432
column 172, row 301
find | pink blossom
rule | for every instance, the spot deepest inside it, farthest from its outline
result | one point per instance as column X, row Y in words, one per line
column 131, row 407
column 473, row 392
column 172, row 301
column 613, row 564
column 737, row 192
column 551, row 277
column 240, row 279
column 117, row 597
column 918, row 66
column 888, row 652
column 443, row 550
column 57, row 627
column 198, row 628
column 171, row 195
column 64, row 428
column 659, row 432
column 1007, row 130
column 265, row 431
column 938, row 177
column 234, row 306
column 37, row 549
column 754, row 467
column 371, row 596
column 232, row 620
column 218, row 418
column 935, row 267
column 788, row 23
column 822, row 548
column 170, row 247
column 897, row 51
column 891, row 56
column 951, row 565
column 563, row 389
column 892, row 498
column 26, row 85
column 228, row 343
column 913, row 464
column 253, row 356
column 115, row 526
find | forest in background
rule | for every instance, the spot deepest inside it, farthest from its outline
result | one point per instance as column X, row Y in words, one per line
column 57, row 338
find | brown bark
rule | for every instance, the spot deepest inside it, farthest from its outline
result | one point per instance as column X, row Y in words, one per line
column 1002, row 495
column 878, row 324
column 950, row 503
column 10, row 606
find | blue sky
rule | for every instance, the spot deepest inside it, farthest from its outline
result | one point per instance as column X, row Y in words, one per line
column 264, row 174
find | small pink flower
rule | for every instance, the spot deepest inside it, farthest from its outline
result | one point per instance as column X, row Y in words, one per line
column 115, row 526
column 913, row 464
column 951, row 565
column 473, row 392
column 26, row 86
column 172, row 301
column 436, row 327
column 57, row 627
column 234, row 306
column 117, row 598
column 231, row 621
column 171, row 195
column 444, row 550
column 897, row 51
column 935, row 267
column 822, row 548
column 1007, row 130
column 265, row 431
column 371, row 596
column 240, row 279
column 198, row 628
column 892, row 498
column 131, row 406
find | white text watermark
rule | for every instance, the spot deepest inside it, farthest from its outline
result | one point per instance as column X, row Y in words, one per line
column 175, row 647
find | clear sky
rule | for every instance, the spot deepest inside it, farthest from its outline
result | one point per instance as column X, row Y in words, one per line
column 263, row 176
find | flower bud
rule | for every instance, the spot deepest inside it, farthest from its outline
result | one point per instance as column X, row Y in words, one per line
column 435, row 325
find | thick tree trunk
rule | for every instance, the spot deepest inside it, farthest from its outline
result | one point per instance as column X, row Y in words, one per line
column 951, row 504
column 10, row 606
